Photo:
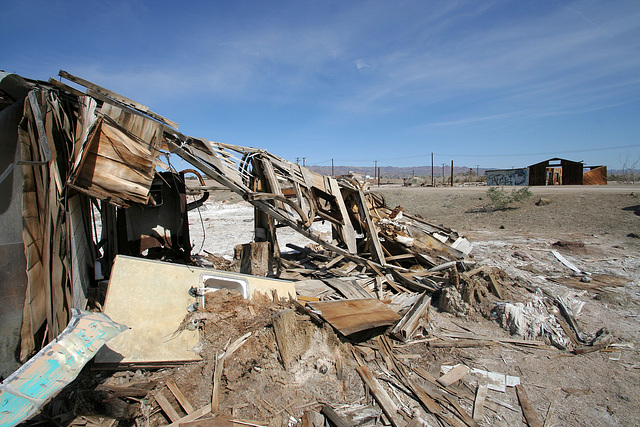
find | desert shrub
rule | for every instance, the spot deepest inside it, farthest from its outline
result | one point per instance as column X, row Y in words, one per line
column 500, row 199
column 521, row 194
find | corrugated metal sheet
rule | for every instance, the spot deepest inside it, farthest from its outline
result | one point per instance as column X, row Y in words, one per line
column 596, row 176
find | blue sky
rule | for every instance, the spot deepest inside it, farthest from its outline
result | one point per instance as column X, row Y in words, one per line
column 489, row 83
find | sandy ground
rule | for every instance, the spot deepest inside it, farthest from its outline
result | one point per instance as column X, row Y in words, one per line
column 598, row 388
column 225, row 221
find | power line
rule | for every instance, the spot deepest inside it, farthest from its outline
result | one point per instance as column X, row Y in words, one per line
column 550, row 153
column 485, row 155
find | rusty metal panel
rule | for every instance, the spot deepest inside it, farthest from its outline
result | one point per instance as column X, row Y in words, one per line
column 595, row 176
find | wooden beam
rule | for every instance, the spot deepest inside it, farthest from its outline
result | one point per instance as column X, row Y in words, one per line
column 347, row 231
column 166, row 407
column 336, row 419
column 192, row 416
column 355, row 315
column 381, row 396
column 182, row 400
column 454, row 375
column 478, row 404
column 529, row 413
column 122, row 99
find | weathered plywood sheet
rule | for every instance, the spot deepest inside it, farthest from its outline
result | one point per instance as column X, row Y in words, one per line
column 355, row 315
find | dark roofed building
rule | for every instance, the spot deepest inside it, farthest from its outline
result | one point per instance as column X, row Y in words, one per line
column 556, row 171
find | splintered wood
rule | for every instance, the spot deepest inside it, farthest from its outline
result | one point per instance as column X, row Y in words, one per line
column 352, row 316
column 381, row 396
column 217, row 375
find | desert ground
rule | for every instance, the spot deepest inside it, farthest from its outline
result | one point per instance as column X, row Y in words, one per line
column 598, row 228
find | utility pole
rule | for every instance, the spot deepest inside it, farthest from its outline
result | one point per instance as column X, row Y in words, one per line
column 304, row 161
column 443, row 183
column 433, row 183
column 477, row 173
column 452, row 173
column 375, row 169
column 332, row 173
column 297, row 160
column 378, row 177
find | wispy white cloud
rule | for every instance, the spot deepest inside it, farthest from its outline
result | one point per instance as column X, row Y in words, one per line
column 423, row 66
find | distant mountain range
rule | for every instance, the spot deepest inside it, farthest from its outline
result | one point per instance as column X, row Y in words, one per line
column 392, row 172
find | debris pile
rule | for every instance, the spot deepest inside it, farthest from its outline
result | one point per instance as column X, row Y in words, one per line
column 351, row 329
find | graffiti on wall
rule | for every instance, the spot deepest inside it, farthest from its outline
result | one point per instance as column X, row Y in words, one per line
column 508, row 177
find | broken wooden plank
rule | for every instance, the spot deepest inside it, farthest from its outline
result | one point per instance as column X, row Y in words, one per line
column 478, row 404
column 381, row 396
column 347, row 231
column 372, row 231
column 568, row 314
column 349, row 288
column 400, row 257
column 307, row 311
column 284, row 325
column 166, row 407
column 462, row 343
column 192, row 416
column 495, row 287
column 127, row 391
column 454, row 375
column 432, row 400
column 598, row 282
column 336, row 419
column 312, row 418
column 182, row 400
column 566, row 262
column 356, row 315
column 406, row 327
column 529, row 413
column 217, row 375
column 528, row 343
column 334, row 261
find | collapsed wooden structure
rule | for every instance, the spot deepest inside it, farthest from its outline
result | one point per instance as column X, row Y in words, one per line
column 82, row 190
column 88, row 158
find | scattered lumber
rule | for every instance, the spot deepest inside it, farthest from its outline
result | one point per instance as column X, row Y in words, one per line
column 182, row 400
column 192, row 416
column 166, row 406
